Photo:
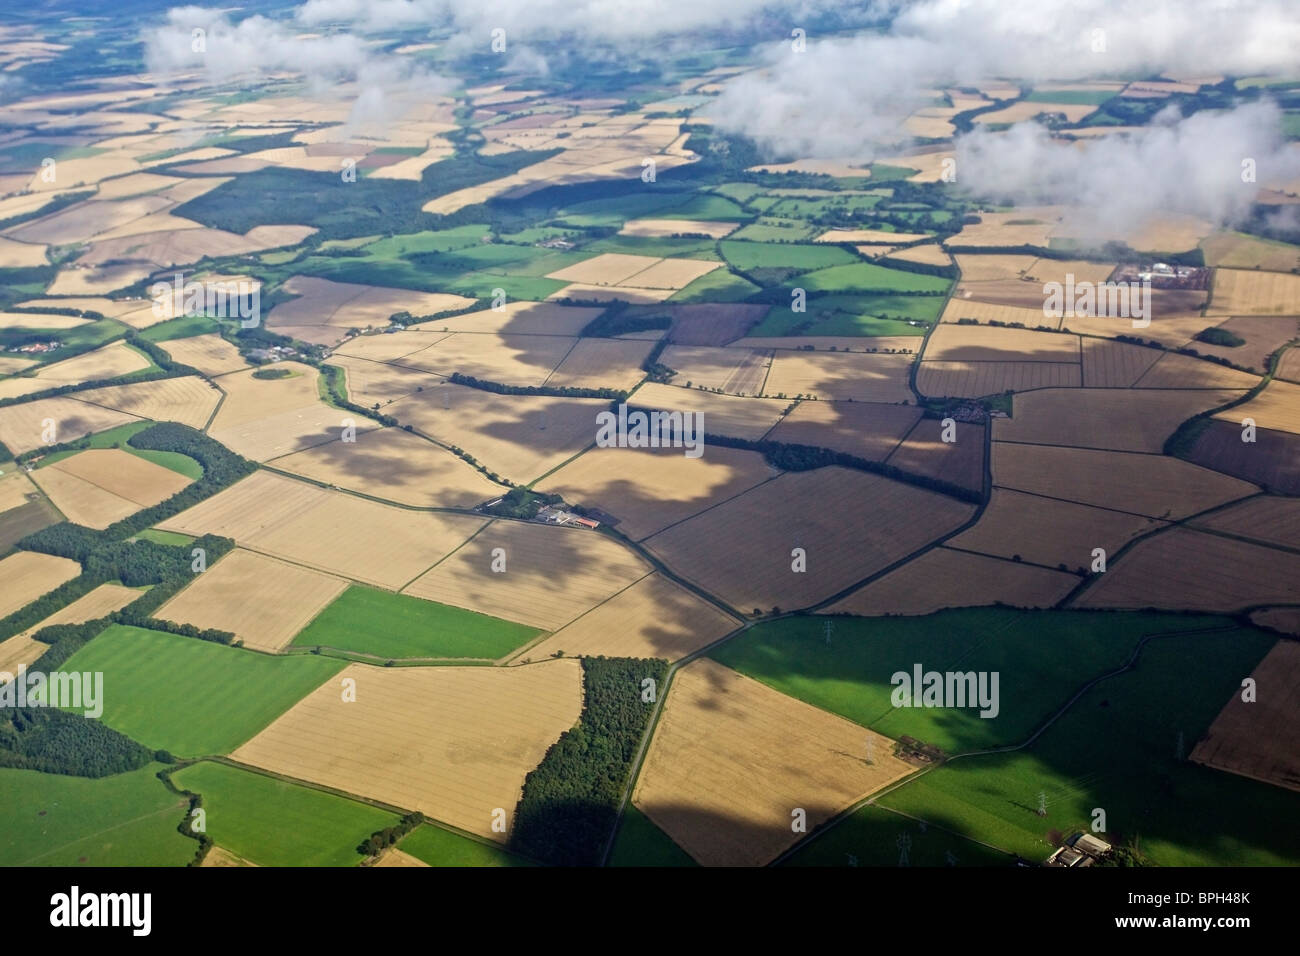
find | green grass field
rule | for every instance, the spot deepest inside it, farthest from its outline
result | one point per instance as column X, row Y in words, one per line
column 774, row 230
column 443, row 240
column 854, row 315
column 615, row 210
column 665, row 247
column 717, row 286
column 164, row 537
column 180, row 328
column 275, row 823
column 190, row 696
column 104, row 439
column 128, row 819
column 1118, row 749
column 706, row 207
column 868, row 277
column 851, row 675
column 439, row 847
column 115, row 437
column 640, row 843
column 872, row 836
column 765, row 255
column 1071, row 97
column 392, row 626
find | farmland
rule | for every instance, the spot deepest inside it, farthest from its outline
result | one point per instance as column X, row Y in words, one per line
column 646, row 490
column 885, row 522
column 1143, row 484
column 386, row 625
column 193, row 697
column 1118, row 747
column 97, row 487
column 943, row 578
column 271, row 822
column 125, row 820
column 394, row 465
column 541, row 577
column 844, row 665
column 262, row 601
column 328, row 530
column 25, row 576
column 652, row 618
column 324, row 594
column 695, row 784
column 1205, row 572
column 451, row 742
column 1259, row 742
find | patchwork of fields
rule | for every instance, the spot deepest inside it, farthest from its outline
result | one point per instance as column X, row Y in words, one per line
column 376, row 559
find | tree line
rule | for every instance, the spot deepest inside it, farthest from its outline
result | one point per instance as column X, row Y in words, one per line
column 792, row 457
column 570, row 801
column 557, row 391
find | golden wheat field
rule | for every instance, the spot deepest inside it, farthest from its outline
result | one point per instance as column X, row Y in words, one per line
column 1276, row 407
column 962, row 306
column 652, row 618
column 676, row 227
column 1049, row 532
column 601, row 363
column 977, row 379
column 1183, row 371
column 1197, row 571
column 369, row 383
column 263, row 419
column 735, row 371
column 1260, row 738
column 1289, row 366
column 210, row 354
column 647, row 489
column 836, row 376
column 26, row 575
column 110, row 361
column 943, row 578
column 508, row 359
column 1285, row 620
column 747, row 417
column 395, row 465
column 1268, row 518
column 731, row 759
column 610, row 268
column 1151, row 485
column 23, row 649
column 1254, row 292
column 264, row 602
column 982, row 343
column 454, row 743
column 550, row 574
column 991, row 266
column 39, row 320
column 862, row 429
column 187, row 399
column 519, row 318
column 1116, row 419
column 99, row 486
column 1110, row 364
column 850, row 524
column 29, row 425
column 331, row 531
column 520, row 437
column 388, row 347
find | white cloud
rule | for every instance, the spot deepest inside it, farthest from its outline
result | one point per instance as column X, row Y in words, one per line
column 1191, row 165
column 840, row 96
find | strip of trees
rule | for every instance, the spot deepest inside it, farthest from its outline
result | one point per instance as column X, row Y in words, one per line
column 570, row 803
